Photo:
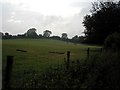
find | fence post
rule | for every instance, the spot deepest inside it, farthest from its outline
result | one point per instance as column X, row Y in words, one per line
column 88, row 52
column 68, row 59
column 101, row 50
column 8, row 72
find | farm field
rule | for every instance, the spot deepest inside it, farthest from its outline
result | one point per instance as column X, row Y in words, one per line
column 38, row 55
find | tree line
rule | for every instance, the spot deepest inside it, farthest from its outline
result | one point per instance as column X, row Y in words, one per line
column 31, row 33
column 102, row 25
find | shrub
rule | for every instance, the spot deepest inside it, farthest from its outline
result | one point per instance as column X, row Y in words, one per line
column 99, row 71
column 103, row 71
column 112, row 42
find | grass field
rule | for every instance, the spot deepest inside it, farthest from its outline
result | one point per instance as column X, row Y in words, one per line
column 38, row 56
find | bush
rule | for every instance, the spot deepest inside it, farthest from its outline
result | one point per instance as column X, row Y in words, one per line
column 99, row 71
column 112, row 42
column 103, row 71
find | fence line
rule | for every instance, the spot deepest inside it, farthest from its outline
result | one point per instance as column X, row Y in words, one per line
column 68, row 59
column 8, row 72
column 9, row 66
column 98, row 50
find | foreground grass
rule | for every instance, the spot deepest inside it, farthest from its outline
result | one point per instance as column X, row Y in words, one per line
column 37, row 58
column 100, row 71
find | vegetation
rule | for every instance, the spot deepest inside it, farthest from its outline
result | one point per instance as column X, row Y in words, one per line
column 99, row 71
column 47, row 33
column 38, row 56
column 64, row 36
column 31, row 33
column 104, row 20
column 43, row 63
column 112, row 42
column 34, row 69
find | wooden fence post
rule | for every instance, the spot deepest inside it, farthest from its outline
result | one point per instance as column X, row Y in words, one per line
column 8, row 72
column 68, row 59
column 101, row 50
column 88, row 52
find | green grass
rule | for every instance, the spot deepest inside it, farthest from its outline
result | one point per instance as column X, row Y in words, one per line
column 37, row 57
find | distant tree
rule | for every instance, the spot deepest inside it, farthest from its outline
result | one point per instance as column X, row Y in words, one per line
column 103, row 20
column 75, row 38
column 112, row 42
column 1, row 34
column 21, row 35
column 64, row 36
column 55, row 37
column 6, row 34
column 47, row 33
column 31, row 33
column 81, row 39
column 40, row 35
column 25, row 34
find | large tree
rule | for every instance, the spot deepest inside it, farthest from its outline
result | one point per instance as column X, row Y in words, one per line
column 31, row 33
column 47, row 33
column 64, row 36
column 6, row 34
column 75, row 39
column 103, row 20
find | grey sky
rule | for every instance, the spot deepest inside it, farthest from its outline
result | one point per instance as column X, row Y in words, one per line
column 56, row 15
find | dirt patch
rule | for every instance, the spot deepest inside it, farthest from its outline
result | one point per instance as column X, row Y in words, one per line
column 57, row 52
column 21, row 50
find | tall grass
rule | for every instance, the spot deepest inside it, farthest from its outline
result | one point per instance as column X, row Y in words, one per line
column 97, row 71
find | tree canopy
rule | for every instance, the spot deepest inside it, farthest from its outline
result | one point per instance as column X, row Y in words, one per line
column 31, row 33
column 47, row 33
column 64, row 36
column 103, row 20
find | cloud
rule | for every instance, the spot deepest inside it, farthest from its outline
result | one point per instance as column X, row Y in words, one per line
column 17, row 20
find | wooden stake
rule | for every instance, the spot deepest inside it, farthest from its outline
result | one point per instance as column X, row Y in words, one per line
column 8, row 72
column 68, row 59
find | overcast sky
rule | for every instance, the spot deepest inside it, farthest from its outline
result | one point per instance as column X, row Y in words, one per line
column 57, row 16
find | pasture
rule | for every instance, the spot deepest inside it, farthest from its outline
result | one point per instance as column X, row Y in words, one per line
column 39, row 55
